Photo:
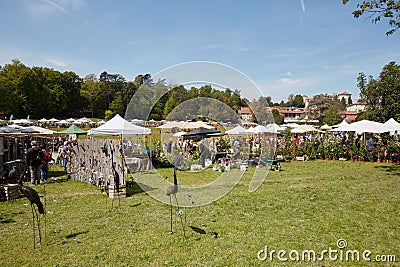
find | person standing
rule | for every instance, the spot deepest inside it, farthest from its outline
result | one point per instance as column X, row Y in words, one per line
column 64, row 155
column 203, row 154
column 33, row 162
column 44, row 167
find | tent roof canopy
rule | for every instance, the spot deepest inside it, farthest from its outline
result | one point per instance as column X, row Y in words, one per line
column 73, row 129
column 119, row 126
column 392, row 125
column 364, row 126
column 201, row 131
column 237, row 130
column 195, row 125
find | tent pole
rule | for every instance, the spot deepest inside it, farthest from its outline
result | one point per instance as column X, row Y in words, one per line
column 123, row 160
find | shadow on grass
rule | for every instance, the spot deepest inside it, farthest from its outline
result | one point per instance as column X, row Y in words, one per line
column 57, row 174
column 76, row 234
column 59, row 180
column 133, row 188
column 7, row 221
column 390, row 169
column 203, row 232
column 198, row 230
column 135, row 205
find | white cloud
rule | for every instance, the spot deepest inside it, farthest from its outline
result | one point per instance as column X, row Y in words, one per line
column 57, row 63
column 288, row 81
column 288, row 74
column 327, row 67
column 280, row 89
column 303, row 6
column 214, row 46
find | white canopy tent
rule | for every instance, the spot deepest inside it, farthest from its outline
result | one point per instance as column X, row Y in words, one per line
column 16, row 126
column 305, row 128
column 18, row 130
column 343, row 123
column 172, row 124
column 237, row 131
column 22, row 122
column 195, row 125
column 37, row 130
column 364, row 126
column 8, row 129
column 258, row 129
column 298, row 130
column 62, row 122
column 325, row 127
column 392, row 125
column 274, row 128
column 82, row 121
column 119, row 126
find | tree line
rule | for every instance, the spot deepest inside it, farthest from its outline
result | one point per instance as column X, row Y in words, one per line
column 45, row 92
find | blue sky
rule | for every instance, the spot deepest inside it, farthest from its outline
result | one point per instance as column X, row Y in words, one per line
column 288, row 46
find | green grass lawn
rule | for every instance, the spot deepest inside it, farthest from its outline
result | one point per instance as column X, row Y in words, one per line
column 307, row 206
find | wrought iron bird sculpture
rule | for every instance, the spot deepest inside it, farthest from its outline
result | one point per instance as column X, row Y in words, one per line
column 171, row 191
column 34, row 198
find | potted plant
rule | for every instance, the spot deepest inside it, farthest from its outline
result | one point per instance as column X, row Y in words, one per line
column 354, row 152
column 321, row 151
column 334, row 151
column 390, row 150
column 363, row 152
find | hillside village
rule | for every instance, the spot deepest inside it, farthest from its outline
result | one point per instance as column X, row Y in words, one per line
column 304, row 114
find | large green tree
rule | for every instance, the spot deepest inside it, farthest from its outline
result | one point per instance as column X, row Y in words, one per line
column 122, row 98
column 39, row 91
column 378, row 10
column 278, row 118
column 381, row 94
column 332, row 116
column 320, row 104
column 45, row 92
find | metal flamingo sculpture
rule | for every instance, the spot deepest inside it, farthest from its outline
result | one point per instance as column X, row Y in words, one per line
column 116, row 185
column 34, row 198
column 172, row 190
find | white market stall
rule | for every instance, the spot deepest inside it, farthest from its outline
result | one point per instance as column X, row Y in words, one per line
column 364, row 126
column 104, row 162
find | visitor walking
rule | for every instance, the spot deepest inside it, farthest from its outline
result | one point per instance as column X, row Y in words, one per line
column 33, row 162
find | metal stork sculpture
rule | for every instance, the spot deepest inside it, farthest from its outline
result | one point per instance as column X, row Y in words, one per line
column 171, row 191
column 34, row 198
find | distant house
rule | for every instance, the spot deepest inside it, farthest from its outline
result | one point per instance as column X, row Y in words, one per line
column 306, row 101
column 293, row 114
column 289, row 114
column 348, row 115
column 358, row 106
column 245, row 114
column 344, row 95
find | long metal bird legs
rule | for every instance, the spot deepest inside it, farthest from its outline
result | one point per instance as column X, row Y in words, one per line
column 33, row 225
column 34, row 211
column 179, row 214
column 170, row 204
